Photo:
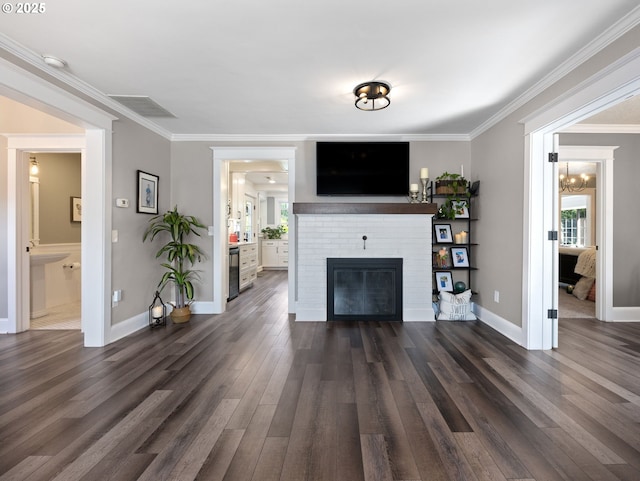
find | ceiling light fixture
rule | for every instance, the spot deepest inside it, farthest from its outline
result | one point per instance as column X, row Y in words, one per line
column 54, row 61
column 271, row 181
column 571, row 183
column 372, row 95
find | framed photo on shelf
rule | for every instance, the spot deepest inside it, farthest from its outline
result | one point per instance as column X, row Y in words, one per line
column 147, row 193
column 461, row 208
column 76, row 209
column 460, row 256
column 442, row 233
column 444, row 281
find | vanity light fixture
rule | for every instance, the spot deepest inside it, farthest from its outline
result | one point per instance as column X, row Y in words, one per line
column 34, row 169
column 571, row 184
column 372, row 95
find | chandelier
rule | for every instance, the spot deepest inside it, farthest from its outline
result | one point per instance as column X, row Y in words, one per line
column 573, row 184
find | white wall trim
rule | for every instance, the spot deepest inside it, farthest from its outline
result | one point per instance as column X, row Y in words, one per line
column 129, row 326
column 602, row 129
column 500, row 324
column 626, row 314
column 202, row 307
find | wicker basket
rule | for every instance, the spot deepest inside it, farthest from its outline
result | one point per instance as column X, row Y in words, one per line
column 446, row 187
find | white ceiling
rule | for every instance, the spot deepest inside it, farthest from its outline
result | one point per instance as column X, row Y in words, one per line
column 288, row 67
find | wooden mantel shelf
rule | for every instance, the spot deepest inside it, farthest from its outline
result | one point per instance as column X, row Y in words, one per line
column 362, row 208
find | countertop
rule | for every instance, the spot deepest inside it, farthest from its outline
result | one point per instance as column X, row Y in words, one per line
column 239, row 244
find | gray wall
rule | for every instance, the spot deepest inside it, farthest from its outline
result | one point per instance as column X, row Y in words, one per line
column 626, row 220
column 60, row 179
column 135, row 269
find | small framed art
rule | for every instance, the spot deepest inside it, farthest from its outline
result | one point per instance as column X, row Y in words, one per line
column 147, row 193
column 442, row 233
column 460, row 256
column 444, row 281
column 461, row 209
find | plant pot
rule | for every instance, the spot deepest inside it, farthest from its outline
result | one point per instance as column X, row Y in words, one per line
column 180, row 315
column 446, row 187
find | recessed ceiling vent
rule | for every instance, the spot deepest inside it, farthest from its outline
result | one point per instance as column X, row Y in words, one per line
column 142, row 105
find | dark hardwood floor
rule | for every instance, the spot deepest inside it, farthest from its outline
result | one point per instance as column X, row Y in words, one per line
column 252, row 395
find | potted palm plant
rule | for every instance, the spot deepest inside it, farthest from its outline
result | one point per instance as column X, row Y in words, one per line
column 180, row 257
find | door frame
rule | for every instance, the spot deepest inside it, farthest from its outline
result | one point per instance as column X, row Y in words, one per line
column 221, row 157
column 28, row 89
column 616, row 83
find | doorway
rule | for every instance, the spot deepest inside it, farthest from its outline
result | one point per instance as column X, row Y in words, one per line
column 55, row 207
column 221, row 195
column 579, row 227
column 540, row 275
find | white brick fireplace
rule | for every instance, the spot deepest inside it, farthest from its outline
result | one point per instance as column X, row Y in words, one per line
column 323, row 235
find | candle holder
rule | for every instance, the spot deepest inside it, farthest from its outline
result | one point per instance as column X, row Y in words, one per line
column 413, row 197
column 425, row 189
column 157, row 312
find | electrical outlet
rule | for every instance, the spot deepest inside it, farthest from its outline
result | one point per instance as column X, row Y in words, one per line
column 496, row 296
column 122, row 203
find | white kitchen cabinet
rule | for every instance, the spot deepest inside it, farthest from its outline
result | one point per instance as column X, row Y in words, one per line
column 275, row 253
column 248, row 264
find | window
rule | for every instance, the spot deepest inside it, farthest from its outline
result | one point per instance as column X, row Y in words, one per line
column 574, row 226
column 284, row 214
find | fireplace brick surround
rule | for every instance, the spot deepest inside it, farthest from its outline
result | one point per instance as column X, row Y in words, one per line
column 334, row 230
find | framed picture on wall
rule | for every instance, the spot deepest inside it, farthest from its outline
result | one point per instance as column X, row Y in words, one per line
column 76, row 209
column 147, row 193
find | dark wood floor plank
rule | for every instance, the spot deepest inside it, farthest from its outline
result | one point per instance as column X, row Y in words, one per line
column 252, row 395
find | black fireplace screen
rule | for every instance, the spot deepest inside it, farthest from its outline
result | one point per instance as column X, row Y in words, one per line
column 365, row 289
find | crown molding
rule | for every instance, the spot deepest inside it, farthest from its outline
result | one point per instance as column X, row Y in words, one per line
column 76, row 84
column 315, row 137
column 610, row 35
column 602, row 129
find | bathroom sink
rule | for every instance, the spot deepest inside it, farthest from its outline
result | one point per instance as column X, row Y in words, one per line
column 46, row 258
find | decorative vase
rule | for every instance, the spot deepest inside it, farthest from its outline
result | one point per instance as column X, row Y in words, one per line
column 180, row 315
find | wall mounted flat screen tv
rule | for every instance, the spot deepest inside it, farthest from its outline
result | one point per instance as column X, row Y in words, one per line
column 362, row 168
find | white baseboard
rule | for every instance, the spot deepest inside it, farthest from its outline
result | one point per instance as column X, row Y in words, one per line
column 500, row 324
column 202, row 307
column 310, row 314
column 4, row 325
column 626, row 314
column 129, row 326
column 418, row 315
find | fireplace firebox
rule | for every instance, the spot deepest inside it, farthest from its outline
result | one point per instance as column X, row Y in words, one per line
column 364, row 289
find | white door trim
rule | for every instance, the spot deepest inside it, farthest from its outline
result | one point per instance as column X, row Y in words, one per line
column 26, row 88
